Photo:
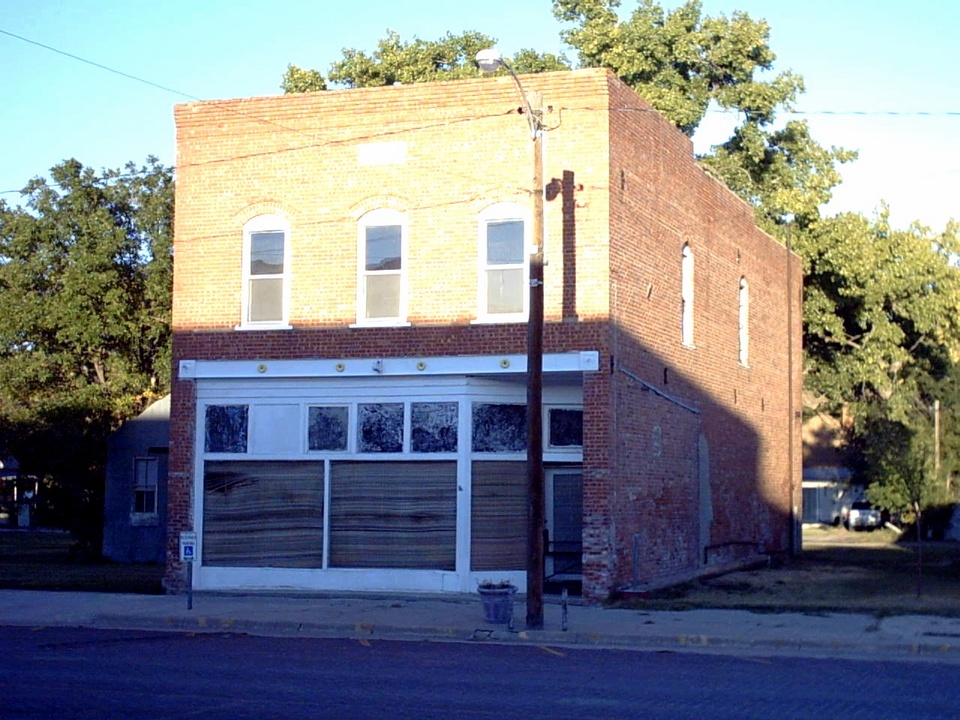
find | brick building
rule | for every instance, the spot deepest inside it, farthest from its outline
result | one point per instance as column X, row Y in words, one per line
column 350, row 312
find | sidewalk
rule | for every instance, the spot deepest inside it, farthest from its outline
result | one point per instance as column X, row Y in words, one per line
column 459, row 618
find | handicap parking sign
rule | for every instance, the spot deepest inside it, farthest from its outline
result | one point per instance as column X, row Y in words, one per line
column 188, row 546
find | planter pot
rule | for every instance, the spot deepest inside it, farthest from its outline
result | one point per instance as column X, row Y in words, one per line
column 497, row 604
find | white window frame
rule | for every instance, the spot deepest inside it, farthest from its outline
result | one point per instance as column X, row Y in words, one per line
column 686, row 295
column 502, row 212
column 743, row 321
column 150, row 483
column 380, row 218
column 258, row 224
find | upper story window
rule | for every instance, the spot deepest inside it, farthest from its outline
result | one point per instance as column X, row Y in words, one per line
column 686, row 296
column 504, row 262
column 381, row 281
column 744, row 321
column 266, row 272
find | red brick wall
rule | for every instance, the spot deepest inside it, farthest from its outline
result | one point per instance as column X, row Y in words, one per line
column 661, row 199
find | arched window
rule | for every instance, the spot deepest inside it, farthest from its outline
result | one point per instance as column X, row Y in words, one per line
column 381, row 281
column 744, row 321
column 504, row 262
column 266, row 272
column 686, row 295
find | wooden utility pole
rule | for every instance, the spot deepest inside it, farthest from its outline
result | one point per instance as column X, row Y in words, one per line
column 489, row 60
column 535, row 478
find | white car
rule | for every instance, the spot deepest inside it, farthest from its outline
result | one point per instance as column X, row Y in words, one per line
column 862, row 515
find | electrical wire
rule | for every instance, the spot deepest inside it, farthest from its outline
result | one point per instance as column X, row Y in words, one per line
column 228, row 106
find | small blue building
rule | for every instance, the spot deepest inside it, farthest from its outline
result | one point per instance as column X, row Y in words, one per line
column 135, row 502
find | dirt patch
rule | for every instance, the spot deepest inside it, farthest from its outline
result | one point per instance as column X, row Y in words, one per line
column 836, row 571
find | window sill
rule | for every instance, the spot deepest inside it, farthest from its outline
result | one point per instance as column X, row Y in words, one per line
column 381, row 324
column 144, row 519
column 262, row 326
column 499, row 319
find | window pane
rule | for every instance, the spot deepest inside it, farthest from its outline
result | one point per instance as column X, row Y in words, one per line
column 226, row 429
column 266, row 253
column 383, row 296
column 504, row 291
column 383, row 248
column 433, row 427
column 266, row 300
column 566, row 428
column 328, row 428
column 145, row 501
column 141, row 471
column 505, row 242
column 499, row 428
column 380, row 427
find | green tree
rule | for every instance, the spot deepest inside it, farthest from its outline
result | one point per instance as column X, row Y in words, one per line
column 85, row 287
column 395, row 61
column 684, row 63
column 880, row 312
column 681, row 61
column 881, row 334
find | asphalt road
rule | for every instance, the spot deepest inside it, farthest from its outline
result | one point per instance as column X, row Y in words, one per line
column 75, row 673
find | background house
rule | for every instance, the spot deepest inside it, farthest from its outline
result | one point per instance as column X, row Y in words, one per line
column 135, row 495
column 827, row 489
column 349, row 336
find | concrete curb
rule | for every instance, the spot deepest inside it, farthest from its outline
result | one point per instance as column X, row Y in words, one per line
column 698, row 643
column 377, row 618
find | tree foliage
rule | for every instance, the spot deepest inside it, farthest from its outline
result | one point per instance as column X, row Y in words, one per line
column 881, row 332
column 681, row 61
column 395, row 61
column 85, row 286
column 881, row 310
column 685, row 63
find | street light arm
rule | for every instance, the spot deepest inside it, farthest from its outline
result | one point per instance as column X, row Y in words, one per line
column 488, row 61
column 533, row 116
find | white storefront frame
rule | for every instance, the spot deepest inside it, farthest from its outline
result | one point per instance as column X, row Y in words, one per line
column 497, row 379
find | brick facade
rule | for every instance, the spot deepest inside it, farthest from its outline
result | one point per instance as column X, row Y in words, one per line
column 689, row 458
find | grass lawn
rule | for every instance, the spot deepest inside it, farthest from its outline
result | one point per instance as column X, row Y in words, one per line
column 837, row 571
column 41, row 560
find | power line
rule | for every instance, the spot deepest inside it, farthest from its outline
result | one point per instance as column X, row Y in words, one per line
column 227, row 105
column 97, row 65
column 136, row 78
column 223, row 104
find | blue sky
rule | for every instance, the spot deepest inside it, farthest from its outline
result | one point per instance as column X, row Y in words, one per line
column 880, row 76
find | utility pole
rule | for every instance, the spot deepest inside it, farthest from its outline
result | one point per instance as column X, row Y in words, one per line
column 490, row 60
column 535, row 479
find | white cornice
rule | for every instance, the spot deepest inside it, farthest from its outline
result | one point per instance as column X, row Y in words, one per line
column 585, row 361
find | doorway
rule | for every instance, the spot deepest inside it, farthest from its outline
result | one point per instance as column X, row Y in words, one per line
column 564, row 525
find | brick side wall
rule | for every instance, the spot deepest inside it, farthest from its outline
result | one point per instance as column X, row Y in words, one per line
column 661, row 199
